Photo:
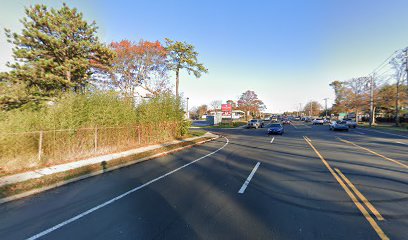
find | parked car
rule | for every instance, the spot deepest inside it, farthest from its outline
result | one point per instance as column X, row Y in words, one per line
column 274, row 119
column 276, row 128
column 326, row 120
column 307, row 120
column 318, row 121
column 339, row 125
column 297, row 119
column 350, row 123
column 255, row 123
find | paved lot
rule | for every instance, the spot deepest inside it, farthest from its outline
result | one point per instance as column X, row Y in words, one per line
column 309, row 183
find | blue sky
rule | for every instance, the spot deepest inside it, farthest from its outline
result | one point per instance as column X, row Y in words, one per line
column 286, row 51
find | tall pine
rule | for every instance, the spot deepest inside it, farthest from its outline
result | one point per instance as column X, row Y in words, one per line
column 57, row 51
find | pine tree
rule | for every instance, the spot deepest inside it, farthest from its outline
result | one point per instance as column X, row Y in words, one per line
column 183, row 56
column 57, row 51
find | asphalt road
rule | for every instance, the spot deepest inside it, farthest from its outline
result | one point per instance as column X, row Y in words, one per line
column 310, row 183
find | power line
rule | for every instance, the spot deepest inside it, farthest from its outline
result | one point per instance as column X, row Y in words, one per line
column 385, row 61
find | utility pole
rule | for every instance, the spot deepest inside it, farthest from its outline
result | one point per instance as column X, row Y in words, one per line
column 406, row 66
column 188, row 114
column 325, row 105
column 371, row 121
column 300, row 108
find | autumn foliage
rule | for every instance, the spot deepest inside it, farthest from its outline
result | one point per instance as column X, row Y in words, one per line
column 141, row 64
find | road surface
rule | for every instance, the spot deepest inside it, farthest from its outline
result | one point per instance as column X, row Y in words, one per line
column 310, row 183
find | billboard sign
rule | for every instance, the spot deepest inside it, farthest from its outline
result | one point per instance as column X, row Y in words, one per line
column 226, row 110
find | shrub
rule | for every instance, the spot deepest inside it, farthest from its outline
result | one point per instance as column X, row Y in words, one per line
column 79, row 126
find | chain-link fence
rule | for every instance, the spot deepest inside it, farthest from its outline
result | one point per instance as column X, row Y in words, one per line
column 29, row 150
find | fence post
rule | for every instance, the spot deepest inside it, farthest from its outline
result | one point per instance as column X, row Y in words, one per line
column 138, row 133
column 96, row 139
column 40, row 145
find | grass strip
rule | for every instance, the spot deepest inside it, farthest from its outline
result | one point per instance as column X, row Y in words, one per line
column 63, row 178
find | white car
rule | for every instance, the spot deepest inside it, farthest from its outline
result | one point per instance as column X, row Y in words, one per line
column 318, row 121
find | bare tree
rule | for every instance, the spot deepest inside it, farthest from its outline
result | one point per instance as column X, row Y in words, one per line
column 215, row 105
column 357, row 92
column 313, row 108
column 398, row 65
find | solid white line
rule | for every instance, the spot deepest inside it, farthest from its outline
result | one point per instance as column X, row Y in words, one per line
column 245, row 185
column 359, row 132
column 45, row 232
column 272, row 139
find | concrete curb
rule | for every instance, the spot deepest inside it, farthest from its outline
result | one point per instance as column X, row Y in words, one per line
column 42, row 189
column 39, row 173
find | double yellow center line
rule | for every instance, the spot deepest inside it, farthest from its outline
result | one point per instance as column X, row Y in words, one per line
column 342, row 180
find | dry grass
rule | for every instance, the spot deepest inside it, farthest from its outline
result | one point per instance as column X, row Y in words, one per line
column 32, row 150
column 17, row 188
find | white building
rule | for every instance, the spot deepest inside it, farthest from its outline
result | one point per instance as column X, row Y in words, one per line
column 236, row 114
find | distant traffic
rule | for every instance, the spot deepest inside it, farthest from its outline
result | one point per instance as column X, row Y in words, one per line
column 276, row 123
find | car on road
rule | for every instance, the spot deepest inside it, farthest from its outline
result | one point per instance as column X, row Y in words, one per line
column 255, row 123
column 274, row 119
column 276, row 128
column 285, row 121
column 350, row 123
column 338, row 125
column 318, row 121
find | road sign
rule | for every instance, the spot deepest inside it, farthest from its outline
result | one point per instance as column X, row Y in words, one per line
column 226, row 110
column 226, row 107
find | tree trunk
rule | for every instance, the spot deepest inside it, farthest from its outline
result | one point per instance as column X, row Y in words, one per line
column 397, row 117
column 177, row 83
column 357, row 116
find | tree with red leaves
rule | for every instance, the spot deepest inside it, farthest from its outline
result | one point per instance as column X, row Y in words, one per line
column 141, row 64
column 249, row 103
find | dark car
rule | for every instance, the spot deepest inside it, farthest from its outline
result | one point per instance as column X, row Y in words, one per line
column 339, row 125
column 276, row 128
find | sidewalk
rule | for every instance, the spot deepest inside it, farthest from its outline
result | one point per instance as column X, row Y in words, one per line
column 72, row 165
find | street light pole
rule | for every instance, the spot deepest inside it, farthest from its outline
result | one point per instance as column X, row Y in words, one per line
column 325, row 106
column 300, row 109
column 188, row 113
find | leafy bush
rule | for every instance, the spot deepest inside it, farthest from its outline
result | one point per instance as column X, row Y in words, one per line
column 79, row 126
column 158, row 109
column 70, row 112
column 100, row 109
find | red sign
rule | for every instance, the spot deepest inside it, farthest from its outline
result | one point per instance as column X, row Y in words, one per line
column 226, row 107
